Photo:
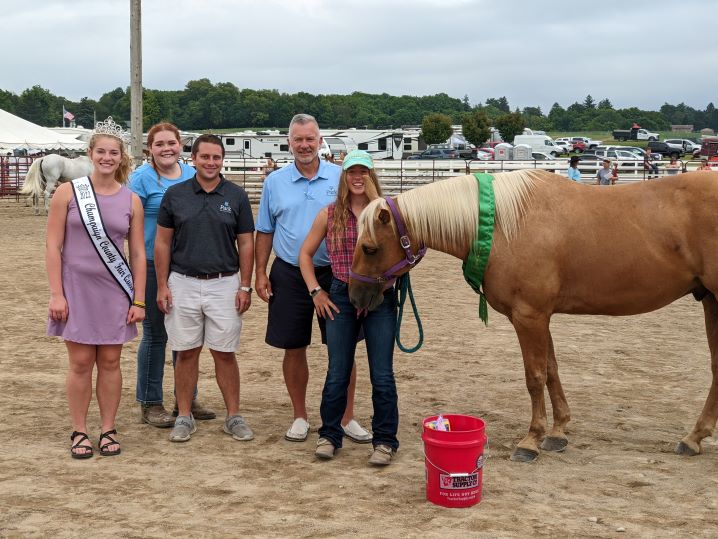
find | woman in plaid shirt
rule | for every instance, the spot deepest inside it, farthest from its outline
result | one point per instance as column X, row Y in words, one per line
column 338, row 224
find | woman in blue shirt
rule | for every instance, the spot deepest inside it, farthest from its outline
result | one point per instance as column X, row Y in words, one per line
column 573, row 172
column 149, row 182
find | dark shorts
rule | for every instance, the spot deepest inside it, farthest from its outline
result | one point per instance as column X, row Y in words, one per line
column 291, row 309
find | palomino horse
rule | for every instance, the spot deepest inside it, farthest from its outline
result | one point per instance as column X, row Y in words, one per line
column 561, row 247
column 47, row 172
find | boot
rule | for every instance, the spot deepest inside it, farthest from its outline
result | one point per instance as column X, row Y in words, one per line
column 199, row 411
column 157, row 416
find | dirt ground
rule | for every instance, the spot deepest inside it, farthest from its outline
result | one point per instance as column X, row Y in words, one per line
column 635, row 385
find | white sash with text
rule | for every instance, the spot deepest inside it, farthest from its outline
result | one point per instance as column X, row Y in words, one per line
column 111, row 256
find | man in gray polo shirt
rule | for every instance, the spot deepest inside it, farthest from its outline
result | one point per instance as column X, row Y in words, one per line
column 204, row 236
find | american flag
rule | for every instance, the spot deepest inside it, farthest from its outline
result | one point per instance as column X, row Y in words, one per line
column 67, row 115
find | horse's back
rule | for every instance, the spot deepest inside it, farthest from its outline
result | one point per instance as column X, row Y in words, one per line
column 621, row 249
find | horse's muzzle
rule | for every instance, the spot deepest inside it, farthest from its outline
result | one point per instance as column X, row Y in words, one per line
column 365, row 295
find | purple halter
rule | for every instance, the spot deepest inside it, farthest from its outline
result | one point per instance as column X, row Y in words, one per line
column 410, row 260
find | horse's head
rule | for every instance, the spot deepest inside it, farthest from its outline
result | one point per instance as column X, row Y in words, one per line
column 384, row 251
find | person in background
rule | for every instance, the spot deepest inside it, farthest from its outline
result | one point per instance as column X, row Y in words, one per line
column 705, row 166
column 205, row 235
column 649, row 165
column 291, row 199
column 674, row 167
column 337, row 223
column 95, row 297
column 149, row 182
column 573, row 173
column 605, row 175
column 269, row 167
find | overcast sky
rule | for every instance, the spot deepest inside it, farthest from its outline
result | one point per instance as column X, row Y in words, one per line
column 633, row 52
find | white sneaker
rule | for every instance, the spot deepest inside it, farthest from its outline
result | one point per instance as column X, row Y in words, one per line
column 299, row 430
column 356, row 433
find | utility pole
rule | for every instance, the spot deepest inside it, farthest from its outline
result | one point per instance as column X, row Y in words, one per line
column 136, row 80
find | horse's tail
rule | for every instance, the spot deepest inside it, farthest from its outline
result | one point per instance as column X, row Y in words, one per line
column 33, row 184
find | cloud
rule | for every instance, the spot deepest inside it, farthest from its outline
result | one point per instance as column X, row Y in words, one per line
column 535, row 54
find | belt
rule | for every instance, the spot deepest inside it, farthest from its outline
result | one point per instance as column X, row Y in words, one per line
column 208, row 276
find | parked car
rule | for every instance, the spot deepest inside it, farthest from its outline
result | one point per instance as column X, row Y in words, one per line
column 640, row 152
column 566, row 141
column 617, row 153
column 484, row 154
column 666, row 149
column 587, row 143
column 567, row 147
column 688, row 145
column 436, row 153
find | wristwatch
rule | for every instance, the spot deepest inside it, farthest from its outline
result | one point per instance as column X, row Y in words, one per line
column 314, row 291
column 247, row 289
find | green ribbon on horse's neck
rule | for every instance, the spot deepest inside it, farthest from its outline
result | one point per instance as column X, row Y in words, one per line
column 475, row 264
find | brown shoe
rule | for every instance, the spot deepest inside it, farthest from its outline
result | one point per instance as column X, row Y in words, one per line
column 382, row 455
column 157, row 416
column 199, row 411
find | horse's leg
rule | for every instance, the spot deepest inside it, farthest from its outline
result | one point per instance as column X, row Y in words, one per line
column 556, row 439
column 691, row 444
column 47, row 201
column 534, row 338
column 36, row 203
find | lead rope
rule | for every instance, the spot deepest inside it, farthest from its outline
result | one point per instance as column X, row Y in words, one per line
column 403, row 285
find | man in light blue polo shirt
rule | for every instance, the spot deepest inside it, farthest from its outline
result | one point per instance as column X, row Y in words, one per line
column 291, row 198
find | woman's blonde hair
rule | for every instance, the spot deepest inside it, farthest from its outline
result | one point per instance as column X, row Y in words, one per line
column 122, row 173
column 372, row 189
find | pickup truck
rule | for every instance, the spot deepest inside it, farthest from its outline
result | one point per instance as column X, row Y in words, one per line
column 635, row 133
column 666, row 149
column 588, row 143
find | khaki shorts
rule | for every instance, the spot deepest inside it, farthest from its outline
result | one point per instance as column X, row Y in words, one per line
column 203, row 312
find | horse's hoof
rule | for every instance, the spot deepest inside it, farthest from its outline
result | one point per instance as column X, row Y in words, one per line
column 521, row 454
column 551, row 443
column 684, row 449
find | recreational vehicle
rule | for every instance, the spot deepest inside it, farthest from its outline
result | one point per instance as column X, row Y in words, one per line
column 256, row 145
column 380, row 144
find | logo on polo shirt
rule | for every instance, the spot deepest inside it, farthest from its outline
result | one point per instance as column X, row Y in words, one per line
column 225, row 207
column 331, row 192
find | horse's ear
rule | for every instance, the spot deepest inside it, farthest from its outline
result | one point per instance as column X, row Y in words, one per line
column 384, row 216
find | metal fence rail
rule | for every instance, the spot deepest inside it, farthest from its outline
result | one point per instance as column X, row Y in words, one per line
column 398, row 176
column 12, row 174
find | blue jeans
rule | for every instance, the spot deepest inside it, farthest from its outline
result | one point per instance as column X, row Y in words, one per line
column 342, row 333
column 151, row 352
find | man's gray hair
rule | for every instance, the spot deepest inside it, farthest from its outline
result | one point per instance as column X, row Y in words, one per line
column 303, row 119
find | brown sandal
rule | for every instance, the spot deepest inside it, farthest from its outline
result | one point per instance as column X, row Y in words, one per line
column 78, row 445
column 103, row 447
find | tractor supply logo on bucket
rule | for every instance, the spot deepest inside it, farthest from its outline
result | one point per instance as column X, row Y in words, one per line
column 447, row 482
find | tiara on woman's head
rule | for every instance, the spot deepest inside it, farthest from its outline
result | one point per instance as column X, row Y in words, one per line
column 110, row 128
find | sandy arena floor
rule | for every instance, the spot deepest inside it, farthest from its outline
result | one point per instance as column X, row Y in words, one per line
column 635, row 386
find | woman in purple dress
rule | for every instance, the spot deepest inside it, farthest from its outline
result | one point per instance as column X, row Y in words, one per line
column 95, row 300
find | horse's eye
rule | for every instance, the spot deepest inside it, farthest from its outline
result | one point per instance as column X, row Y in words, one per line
column 368, row 250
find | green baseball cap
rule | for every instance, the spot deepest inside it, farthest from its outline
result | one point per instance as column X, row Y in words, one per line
column 357, row 157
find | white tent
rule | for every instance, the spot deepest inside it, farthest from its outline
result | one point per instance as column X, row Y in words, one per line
column 16, row 133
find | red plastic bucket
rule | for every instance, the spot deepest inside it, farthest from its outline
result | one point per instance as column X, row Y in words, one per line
column 454, row 461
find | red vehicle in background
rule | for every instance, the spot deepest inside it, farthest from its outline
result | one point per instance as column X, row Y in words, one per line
column 709, row 148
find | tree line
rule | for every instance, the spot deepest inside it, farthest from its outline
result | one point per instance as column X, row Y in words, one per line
column 202, row 105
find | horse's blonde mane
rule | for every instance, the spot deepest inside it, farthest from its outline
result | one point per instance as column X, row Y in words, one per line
column 454, row 203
